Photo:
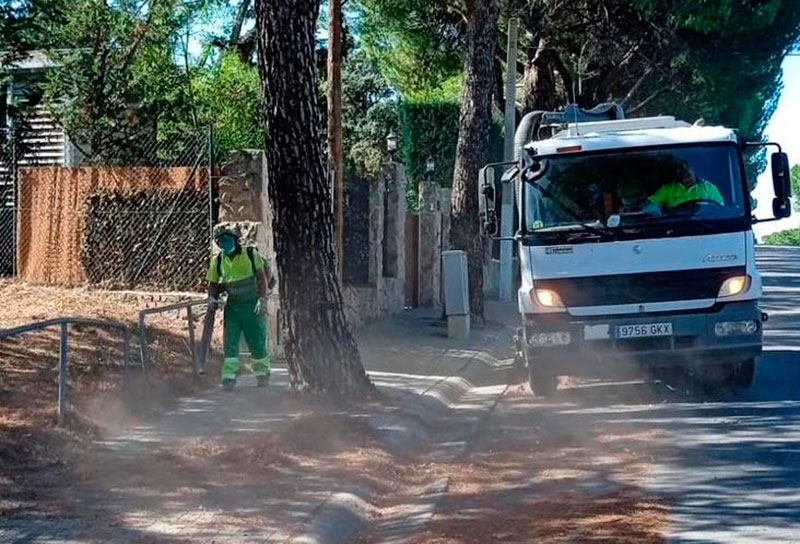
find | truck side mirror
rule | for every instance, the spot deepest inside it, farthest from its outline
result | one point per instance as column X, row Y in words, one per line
column 486, row 201
column 782, row 183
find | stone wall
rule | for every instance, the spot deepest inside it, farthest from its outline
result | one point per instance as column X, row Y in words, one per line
column 243, row 200
column 385, row 292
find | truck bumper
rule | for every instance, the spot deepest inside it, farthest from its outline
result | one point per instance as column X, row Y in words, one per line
column 591, row 346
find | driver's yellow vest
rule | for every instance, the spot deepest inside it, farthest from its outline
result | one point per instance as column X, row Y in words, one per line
column 675, row 194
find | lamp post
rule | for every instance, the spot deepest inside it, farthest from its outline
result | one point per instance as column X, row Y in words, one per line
column 430, row 166
column 391, row 145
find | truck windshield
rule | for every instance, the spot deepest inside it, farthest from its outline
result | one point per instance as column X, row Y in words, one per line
column 682, row 189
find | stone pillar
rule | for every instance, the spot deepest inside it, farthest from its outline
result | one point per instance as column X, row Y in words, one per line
column 430, row 233
column 445, row 195
column 394, row 243
column 377, row 193
column 393, row 288
column 445, row 208
column 243, row 199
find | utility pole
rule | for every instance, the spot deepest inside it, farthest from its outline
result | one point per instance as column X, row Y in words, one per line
column 335, row 145
column 507, row 207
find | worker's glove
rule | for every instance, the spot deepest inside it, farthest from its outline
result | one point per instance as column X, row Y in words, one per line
column 261, row 306
column 214, row 303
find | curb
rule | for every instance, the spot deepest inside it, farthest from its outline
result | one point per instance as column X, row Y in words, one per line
column 340, row 518
column 408, row 426
column 344, row 515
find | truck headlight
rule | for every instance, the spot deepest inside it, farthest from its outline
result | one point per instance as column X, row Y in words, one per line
column 734, row 286
column 547, row 298
column 736, row 328
column 549, row 339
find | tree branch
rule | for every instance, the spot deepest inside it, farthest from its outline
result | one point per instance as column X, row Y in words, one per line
column 236, row 30
column 140, row 37
column 635, row 87
column 646, row 101
column 187, row 68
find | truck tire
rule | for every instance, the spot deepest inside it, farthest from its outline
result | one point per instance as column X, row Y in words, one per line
column 743, row 374
column 542, row 382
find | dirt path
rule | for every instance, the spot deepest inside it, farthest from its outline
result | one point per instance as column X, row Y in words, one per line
column 521, row 470
column 263, row 465
column 251, row 466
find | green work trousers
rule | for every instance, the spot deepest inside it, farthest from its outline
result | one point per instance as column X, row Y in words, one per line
column 241, row 319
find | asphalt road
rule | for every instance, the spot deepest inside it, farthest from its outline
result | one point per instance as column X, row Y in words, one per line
column 728, row 467
column 628, row 462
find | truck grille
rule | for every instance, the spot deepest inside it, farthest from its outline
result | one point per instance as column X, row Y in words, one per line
column 641, row 288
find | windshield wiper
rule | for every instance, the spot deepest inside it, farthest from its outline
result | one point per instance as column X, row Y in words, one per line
column 667, row 223
column 599, row 230
column 594, row 228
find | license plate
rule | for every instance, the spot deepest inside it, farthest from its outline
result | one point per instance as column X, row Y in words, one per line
column 646, row 330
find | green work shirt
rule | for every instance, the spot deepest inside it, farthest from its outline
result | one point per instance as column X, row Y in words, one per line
column 675, row 194
column 236, row 268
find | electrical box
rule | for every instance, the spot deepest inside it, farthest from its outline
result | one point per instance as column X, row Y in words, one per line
column 456, row 282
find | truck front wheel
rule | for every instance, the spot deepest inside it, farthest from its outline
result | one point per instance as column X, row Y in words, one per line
column 543, row 382
column 743, row 374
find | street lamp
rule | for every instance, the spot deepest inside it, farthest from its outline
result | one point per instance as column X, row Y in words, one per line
column 391, row 144
column 430, row 166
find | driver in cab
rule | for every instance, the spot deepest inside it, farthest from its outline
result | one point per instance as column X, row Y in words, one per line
column 687, row 189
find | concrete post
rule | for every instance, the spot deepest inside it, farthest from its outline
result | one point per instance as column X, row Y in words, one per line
column 456, row 288
column 507, row 205
column 430, row 232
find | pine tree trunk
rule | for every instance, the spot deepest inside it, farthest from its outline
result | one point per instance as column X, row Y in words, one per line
column 538, row 83
column 321, row 352
column 472, row 151
column 335, row 143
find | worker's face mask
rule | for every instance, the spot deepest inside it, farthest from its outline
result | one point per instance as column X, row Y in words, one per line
column 227, row 244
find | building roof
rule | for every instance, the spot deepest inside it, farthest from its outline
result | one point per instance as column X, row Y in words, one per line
column 32, row 60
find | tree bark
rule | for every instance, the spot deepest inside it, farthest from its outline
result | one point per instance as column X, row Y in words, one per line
column 236, row 29
column 335, row 143
column 472, row 150
column 321, row 352
column 539, row 84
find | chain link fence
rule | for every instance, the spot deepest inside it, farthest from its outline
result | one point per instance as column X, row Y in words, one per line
column 109, row 220
column 7, row 205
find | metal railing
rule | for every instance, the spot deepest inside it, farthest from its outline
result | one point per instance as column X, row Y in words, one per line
column 198, row 358
column 63, row 358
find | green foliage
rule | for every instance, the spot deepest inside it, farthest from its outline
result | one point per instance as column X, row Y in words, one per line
column 796, row 185
column 25, row 26
column 716, row 59
column 418, row 44
column 118, row 78
column 227, row 95
column 430, row 129
column 369, row 113
column 785, row 238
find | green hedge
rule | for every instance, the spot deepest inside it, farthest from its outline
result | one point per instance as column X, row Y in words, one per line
column 785, row 238
column 431, row 129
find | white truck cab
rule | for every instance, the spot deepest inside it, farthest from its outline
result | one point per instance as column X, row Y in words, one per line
column 636, row 248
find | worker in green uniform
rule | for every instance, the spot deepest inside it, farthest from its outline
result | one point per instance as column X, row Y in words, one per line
column 244, row 275
column 688, row 188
